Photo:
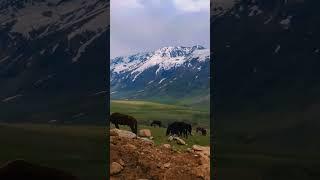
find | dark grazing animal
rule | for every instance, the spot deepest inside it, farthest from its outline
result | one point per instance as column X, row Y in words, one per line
column 154, row 123
column 122, row 119
column 21, row 169
column 202, row 130
column 179, row 129
column 189, row 129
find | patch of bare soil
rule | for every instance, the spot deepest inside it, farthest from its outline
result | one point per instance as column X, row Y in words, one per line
column 137, row 159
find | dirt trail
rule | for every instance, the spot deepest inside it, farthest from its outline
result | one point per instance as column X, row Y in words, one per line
column 140, row 159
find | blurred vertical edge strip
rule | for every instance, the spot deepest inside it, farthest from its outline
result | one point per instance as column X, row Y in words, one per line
column 54, row 69
column 212, row 114
column 108, row 91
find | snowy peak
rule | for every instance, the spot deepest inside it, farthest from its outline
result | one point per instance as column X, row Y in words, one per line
column 164, row 59
column 177, row 51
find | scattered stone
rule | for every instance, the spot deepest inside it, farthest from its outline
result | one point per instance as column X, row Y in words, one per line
column 113, row 132
column 136, row 156
column 197, row 148
column 130, row 147
column 112, row 140
column 203, row 151
column 174, row 150
column 180, row 141
column 147, row 140
column 168, row 146
column 189, row 150
column 123, row 133
column 166, row 165
column 145, row 133
column 170, row 138
column 151, row 137
column 115, row 168
column 121, row 162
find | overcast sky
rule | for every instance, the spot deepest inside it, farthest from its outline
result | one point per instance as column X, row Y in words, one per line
column 144, row 25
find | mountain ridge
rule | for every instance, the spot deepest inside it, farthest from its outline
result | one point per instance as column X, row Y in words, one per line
column 139, row 75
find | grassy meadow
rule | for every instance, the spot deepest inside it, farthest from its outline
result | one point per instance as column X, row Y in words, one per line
column 160, row 137
column 80, row 150
column 145, row 112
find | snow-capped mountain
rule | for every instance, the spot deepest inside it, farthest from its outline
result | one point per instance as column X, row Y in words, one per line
column 169, row 71
column 51, row 48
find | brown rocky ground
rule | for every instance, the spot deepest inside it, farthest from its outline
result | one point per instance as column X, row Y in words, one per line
column 132, row 158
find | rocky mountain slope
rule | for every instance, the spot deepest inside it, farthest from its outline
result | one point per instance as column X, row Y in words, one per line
column 169, row 72
column 51, row 58
column 139, row 159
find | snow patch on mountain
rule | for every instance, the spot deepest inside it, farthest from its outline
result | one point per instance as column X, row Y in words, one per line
column 164, row 59
column 162, row 80
column 255, row 10
column 286, row 22
column 49, row 16
column 83, row 48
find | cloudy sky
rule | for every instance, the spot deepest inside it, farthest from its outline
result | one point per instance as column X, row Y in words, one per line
column 144, row 25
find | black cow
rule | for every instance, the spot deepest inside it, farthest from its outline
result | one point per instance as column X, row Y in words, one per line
column 154, row 123
column 202, row 130
column 122, row 119
column 179, row 129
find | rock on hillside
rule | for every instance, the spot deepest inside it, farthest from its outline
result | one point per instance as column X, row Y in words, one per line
column 138, row 159
column 122, row 133
column 145, row 133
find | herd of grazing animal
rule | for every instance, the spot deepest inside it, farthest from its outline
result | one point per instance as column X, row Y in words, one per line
column 176, row 128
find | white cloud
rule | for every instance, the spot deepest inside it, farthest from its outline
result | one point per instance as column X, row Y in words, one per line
column 127, row 4
column 192, row 5
column 157, row 23
column 154, row 2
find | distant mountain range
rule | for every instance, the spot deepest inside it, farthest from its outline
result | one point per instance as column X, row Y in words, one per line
column 167, row 74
